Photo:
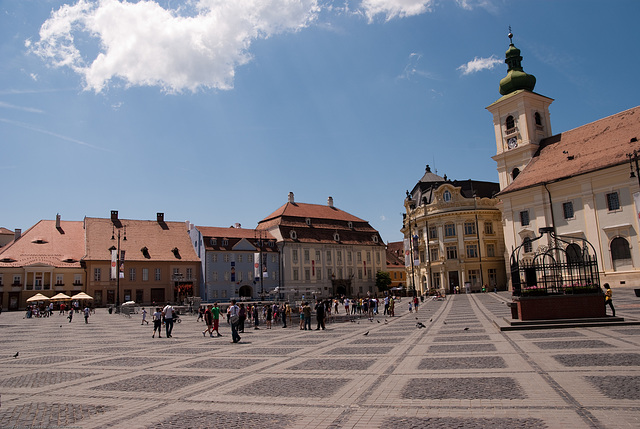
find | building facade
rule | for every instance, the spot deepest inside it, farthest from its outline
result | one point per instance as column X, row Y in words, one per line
column 453, row 236
column 395, row 266
column 324, row 251
column 45, row 259
column 157, row 261
column 577, row 182
column 231, row 267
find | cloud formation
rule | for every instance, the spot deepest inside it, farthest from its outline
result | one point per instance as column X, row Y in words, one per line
column 197, row 45
column 395, row 8
column 479, row 64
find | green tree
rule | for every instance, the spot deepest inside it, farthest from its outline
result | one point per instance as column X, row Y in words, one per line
column 383, row 280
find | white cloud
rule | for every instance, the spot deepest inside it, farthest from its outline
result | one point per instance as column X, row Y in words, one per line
column 395, row 8
column 479, row 64
column 144, row 44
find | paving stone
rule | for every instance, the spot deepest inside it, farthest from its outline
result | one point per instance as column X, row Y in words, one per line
column 359, row 351
column 483, row 362
column 158, row 383
column 125, row 361
column 377, row 340
column 48, row 415
column 463, row 388
column 42, row 360
column 224, row 420
column 333, row 365
column 278, row 351
column 462, row 423
column 462, row 348
column 222, row 363
column 617, row 386
column 450, row 339
column 295, row 387
column 45, row 378
column 605, row 359
column 579, row 344
column 552, row 334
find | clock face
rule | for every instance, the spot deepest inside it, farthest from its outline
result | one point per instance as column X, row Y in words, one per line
column 512, row 143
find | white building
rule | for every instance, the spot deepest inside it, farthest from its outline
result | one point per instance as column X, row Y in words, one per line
column 577, row 182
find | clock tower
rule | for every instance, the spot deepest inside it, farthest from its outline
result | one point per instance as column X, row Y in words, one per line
column 520, row 118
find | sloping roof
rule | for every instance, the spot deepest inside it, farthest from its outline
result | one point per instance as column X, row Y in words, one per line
column 591, row 147
column 234, row 236
column 159, row 238
column 312, row 211
column 5, row 231
column 45, row 244
column 395, row 254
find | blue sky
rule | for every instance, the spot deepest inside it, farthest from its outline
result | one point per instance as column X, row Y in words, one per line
column 213, row 110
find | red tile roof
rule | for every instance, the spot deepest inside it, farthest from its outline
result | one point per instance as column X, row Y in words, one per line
column 160, row 238
column 5, row 231
column 591, row 147
column 235, row 235
column 43, row 243
column 317, row 211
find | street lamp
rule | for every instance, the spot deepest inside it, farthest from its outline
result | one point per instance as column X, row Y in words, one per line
column 633, row 159
column 118, row 261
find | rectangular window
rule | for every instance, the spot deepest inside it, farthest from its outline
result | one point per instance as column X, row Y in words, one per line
column 378, row 258
column 1, row 280
column 369, row 276
column 422, row 256
column 350, row 271
column 225, row 258
column 469, row 228
column 317, row 256
column 435, row 281
column 307, row 274
column 224, row 293
column 452, row 252
column 214, row 276
column 227, row 276
column 145, row 274
column 491, row 250
column 59, row 280
column 359, row 256
column 359, row 273
column 295, row 274
column 240, row 258
column 132, row 274
column 340, row 273
column 433, row 233
column 434, row 254
column 17, row 280
column 189, row 273
column 368, row 256
column 77, row 279
column 307, row 256
column 158, row 275
column 488, row 228
column 524, row 218
column 474, row 277
column 339, row 256
column 239, row 276
column 318, row 274
column 493, row 277
column 349, row 258
column 328, row 256
column 294, row 256
column 450, row 230
column 613, row 201
column 567, row 210
column 214, row 257
column 472, row 250
column 329, row 273
column 97, row 273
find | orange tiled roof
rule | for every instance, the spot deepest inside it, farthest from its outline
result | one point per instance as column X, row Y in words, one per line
column 213, row 231
column 158, row 238
column 591, row 147
column 314, row 211
column 43, row 243
column 5, row 231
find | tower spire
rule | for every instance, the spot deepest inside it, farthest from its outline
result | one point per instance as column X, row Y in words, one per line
column 516, row 78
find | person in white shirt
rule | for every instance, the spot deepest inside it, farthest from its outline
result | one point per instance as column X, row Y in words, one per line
column 157, row 323
column 234, row 319
column 167, row 312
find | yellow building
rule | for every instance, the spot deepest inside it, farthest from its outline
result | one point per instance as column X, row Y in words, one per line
column 453, row 236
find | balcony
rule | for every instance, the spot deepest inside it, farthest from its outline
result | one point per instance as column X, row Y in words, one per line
column 511, row 131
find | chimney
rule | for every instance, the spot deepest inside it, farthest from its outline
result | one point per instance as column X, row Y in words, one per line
column 291, row 200
column 58, row 221
column 330, row 202
column 17, row 234
column 160, row 217
column 114, row 215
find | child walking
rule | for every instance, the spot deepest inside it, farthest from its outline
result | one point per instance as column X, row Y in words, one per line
column 157, row 323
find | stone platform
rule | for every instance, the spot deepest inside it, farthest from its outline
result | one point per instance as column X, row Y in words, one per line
column 459, row 371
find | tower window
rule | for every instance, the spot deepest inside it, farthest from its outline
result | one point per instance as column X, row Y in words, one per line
column 514, row 173
column 510, row 123
column 538, row 119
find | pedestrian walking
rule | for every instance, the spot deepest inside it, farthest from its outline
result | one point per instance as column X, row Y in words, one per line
column 168, row 313
column 319, row 315
column 86, row 314
column 144, row 317
column 157, row 323
column 306, row 310
column 608, row 295
column 208, row 319
column 215, row 311
column 242, row 317
column 70, row 316
column 234, row 318
column 256, row 316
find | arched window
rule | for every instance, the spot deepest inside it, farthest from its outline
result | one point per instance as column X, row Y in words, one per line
column 527, row 246
column 514, row 173
column 574, row 254
column 620, row 249
column 538, row 119
column 510, row 122
column 446, row 196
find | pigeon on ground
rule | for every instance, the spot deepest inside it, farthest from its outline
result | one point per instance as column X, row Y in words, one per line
column 430, row 320
column 378, row 321
column 420, row 325
column 466, row 329
column 16, row 355
column 444, row 323
column 366, row 333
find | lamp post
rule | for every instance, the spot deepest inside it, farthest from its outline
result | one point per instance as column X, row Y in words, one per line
column 633, row 161
column 119, row 261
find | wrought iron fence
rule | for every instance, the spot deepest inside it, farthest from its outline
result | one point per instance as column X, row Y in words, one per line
column 565, row 265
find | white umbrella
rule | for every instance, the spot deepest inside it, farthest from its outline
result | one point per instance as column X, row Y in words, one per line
column 81, row 295
column 38, row 297
column 60, row 297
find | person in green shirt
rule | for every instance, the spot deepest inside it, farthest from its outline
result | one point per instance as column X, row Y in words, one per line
column 216, row 318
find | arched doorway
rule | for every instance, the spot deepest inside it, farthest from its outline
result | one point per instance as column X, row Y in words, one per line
column 245, row 291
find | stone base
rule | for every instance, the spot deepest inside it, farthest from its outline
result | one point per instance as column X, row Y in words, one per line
column 560, row 307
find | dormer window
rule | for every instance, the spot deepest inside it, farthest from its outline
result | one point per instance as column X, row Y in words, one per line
column 145, row 252
column 225, row 242
column 176, row 253
column 375, row 238
column 336, row 237
column 446, row 196
column 293, row 235
column 213, row 241
column 271, row 243
column 308, row 221
column 350, row 225
column 39, row 241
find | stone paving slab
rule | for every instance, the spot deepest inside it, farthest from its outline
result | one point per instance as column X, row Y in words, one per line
column 111, row 373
